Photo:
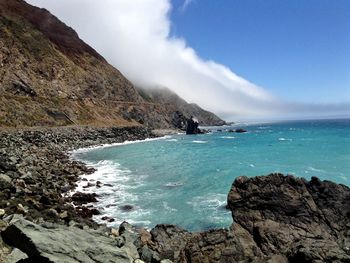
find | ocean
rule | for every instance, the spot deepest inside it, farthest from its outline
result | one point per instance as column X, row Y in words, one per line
column 185, row 179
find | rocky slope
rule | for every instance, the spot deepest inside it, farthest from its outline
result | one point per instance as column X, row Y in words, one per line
column 50, row 77
column 177, row 109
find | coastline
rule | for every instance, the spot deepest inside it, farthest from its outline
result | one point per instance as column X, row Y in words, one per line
column 44, row 154
column 36, row 173
column 88, row 181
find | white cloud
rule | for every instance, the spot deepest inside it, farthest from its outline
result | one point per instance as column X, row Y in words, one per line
column 134, row 36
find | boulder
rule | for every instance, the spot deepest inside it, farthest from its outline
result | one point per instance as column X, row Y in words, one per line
column 84, row 198
column 5, row 181
column 59, row 243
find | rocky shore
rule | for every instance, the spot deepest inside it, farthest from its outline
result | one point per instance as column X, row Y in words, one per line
column 276, row 218
column 36, row 172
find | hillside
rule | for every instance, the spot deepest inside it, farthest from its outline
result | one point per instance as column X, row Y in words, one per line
column 50, row 77
column 178, row 108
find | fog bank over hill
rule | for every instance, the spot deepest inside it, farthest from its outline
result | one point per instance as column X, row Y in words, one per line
column 134, row 36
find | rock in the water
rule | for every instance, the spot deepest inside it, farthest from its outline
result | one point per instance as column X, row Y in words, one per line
column 240, row 130
column 61, row 243
column 127, row 208
column 192, row 126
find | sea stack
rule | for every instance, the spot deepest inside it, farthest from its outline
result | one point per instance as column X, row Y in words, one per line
column 192, row 126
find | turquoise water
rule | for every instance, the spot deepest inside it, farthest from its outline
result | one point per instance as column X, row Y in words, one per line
column 184, row 180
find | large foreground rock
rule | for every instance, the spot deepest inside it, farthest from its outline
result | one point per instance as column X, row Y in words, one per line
column 57, row 243
column 307, row 221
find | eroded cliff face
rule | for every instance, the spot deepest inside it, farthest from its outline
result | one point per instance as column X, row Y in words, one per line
column 50, row 77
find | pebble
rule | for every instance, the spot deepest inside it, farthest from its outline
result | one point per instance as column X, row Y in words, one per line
column 2, row 212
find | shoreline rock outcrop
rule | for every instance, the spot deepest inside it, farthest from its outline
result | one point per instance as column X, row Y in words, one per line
column 192, row 126
column 306, row 221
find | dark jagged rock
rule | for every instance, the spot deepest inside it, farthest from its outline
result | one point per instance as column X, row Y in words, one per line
column 192, row 126
column 240, row 130
column 305, row 221
column 84, row 198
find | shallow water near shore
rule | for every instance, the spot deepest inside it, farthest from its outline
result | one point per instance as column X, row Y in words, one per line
column 184, row 180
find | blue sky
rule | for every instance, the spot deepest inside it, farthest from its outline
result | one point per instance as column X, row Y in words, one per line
column 297, row 49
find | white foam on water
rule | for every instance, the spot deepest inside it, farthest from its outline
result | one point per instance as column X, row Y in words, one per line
column 199, row 141
column 90, row 148
column 310, row 168
column 171, row 140
column 117, row 193
column 227, row 137
column 284, row 139
column 168, row 208
column 212, row 202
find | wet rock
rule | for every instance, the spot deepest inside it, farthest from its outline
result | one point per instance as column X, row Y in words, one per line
column 240, row 130
column 127, row 208
column 84, row 198
column 108, row 219
column 88, row 185
column 86, row 212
